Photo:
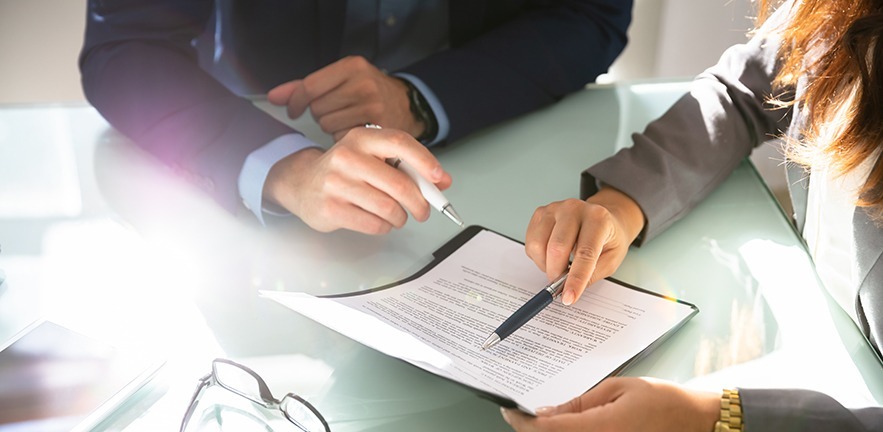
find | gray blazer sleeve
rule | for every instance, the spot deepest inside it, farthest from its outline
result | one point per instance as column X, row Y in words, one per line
column 804, row 411
column 684, row 155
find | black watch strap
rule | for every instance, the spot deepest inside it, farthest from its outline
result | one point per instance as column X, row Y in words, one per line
column 422, row 112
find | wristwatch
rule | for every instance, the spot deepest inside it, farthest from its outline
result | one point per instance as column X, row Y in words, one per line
column 422, row 112
column 731, row 412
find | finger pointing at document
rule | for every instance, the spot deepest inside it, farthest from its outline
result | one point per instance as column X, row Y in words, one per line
column 596, row 232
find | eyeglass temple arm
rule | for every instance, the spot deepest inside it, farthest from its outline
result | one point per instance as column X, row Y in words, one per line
column 204, row 382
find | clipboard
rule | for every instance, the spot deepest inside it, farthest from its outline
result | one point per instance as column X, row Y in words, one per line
column 468, row 249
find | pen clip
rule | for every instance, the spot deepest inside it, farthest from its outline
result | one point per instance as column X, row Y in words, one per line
column 394, row 161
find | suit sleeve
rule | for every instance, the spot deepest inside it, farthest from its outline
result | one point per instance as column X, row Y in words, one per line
column 805, row 411
column 684, row 155
column 547, row 50
column 140, row 70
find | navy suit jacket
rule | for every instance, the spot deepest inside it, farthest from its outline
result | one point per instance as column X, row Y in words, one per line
column 140, row 68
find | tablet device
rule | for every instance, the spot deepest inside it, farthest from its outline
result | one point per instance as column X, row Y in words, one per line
column 52, row 378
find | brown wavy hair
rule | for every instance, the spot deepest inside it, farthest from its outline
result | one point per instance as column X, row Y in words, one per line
column 835, row 44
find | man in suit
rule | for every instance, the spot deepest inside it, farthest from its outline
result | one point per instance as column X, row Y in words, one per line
column 168, row 73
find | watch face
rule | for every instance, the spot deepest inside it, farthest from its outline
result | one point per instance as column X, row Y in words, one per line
column 422, row 113
column 416, row 104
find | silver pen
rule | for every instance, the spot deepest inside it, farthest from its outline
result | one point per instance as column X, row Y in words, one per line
column 430, row 192
column 533, row 306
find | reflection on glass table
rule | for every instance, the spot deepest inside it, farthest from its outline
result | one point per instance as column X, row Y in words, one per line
column 242, row 381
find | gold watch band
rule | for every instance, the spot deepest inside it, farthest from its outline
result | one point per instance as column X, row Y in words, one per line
column 731, row 412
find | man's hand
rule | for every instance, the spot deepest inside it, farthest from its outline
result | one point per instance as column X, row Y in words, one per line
column 347, row 94
column 351, row 186
column 626, row 405
column 597, row 232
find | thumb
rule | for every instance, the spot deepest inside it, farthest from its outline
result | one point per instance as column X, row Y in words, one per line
column 280, row 94
column 605, row 392
column 292, row 94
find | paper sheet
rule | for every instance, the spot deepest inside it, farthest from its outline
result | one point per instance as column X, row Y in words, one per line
column 439, row 321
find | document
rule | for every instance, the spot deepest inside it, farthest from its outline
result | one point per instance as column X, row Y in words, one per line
column 438, row 318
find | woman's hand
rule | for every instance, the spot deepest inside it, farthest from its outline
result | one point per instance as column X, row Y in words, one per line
column 626, row 405
column 597, row 232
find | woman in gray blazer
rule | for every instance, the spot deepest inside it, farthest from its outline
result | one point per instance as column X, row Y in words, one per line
column 812, row 75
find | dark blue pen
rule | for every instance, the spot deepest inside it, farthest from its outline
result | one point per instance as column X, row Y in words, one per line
column 525, row 313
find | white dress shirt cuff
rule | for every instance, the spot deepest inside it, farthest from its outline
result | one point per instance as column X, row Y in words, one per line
column 257, row 167
column 440, row 116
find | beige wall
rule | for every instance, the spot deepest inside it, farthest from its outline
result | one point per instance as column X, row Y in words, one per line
column 39, row 44
column 680, row 38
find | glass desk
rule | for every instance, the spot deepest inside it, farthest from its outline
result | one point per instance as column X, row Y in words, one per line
column 98, row 236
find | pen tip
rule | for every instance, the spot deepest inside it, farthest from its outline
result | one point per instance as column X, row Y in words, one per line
column 449, row 211
column 491, row 340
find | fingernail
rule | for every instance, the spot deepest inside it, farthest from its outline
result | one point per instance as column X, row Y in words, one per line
column 437, row 173
column 545, row 411
column 567, row 299
column 505, row 414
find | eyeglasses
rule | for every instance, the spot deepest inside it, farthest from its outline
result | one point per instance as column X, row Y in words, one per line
column 247, row 383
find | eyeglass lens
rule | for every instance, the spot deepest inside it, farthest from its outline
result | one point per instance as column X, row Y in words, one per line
column 301, row 415
column 239, row 381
